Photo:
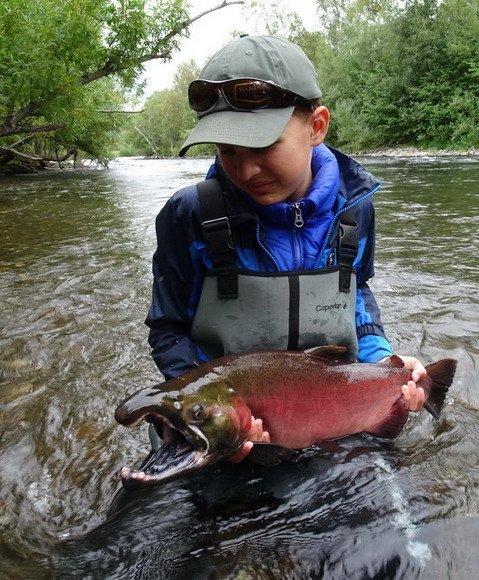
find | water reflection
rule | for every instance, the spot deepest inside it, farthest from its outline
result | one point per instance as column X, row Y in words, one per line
column 75, row 287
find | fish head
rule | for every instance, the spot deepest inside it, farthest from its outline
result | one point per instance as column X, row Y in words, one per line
column 198, row 426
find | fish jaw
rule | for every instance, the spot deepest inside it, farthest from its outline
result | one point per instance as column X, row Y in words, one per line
column 175, row 458
column 196, row 430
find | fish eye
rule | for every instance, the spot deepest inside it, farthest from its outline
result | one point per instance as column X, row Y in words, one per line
column 197, row 412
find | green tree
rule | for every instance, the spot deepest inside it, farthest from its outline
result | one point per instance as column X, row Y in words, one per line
column 165, row 121
column 441, row 71
column 62, row 64
column 399, row 72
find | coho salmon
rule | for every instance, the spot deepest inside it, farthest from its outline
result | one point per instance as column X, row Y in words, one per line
column 303, row 398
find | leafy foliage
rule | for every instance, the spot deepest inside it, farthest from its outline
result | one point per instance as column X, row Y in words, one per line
column 63, row 63
column 399, row 73
column 392, row 72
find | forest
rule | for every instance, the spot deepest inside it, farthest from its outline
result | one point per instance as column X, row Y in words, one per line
column 393, row 73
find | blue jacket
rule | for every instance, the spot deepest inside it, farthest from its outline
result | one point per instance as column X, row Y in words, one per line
column 266, row 239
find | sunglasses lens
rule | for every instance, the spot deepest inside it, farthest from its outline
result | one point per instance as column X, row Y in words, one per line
column 240, row 94
column 248, row 94
column 202, row 95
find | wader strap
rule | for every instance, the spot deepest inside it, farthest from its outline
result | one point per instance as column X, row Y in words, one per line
column 294, row 301
column 348, row 248
column 218, row 237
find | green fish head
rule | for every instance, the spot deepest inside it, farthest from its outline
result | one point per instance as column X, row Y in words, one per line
column 198, row 425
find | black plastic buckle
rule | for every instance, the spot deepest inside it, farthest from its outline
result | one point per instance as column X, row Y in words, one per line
column 218, row 225
column 347, row 254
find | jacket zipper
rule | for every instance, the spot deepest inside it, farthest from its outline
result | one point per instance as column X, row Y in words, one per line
column 298, row 224
column 298, row 216
column 264, row 248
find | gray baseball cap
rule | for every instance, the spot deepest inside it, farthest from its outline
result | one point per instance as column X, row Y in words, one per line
column 257, row 57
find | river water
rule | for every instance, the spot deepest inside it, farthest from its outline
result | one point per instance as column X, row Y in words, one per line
column 75, row 286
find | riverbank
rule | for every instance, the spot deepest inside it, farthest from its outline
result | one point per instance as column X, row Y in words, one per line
column 406, row 151
column 416, row 152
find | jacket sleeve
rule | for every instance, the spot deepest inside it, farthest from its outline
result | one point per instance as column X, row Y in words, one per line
column 372, row 341
column 175, row 278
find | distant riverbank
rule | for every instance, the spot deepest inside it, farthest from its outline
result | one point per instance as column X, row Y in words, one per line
column 405, row 151
column 416, row 152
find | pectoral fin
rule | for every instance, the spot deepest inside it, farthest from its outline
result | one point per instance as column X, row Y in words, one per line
column 268, row 453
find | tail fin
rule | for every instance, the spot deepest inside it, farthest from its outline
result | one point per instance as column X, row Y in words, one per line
column 440, row 376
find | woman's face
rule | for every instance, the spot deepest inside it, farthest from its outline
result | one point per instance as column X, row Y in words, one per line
column 282, row 171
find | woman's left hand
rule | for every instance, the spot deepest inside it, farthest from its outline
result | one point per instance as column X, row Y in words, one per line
column 413, row 395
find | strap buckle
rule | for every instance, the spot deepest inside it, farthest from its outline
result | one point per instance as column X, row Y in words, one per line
column 221, row 224
column 348, row 243
column 348, row 249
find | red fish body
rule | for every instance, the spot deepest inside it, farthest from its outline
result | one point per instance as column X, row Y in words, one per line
column 308, row 403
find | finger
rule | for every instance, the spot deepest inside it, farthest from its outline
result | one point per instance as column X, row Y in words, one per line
column 417, row 369
column 418, row 373
column 257, row 433
column 406, row 396
column 421, row 399
column 412, row 395
column 258, row 428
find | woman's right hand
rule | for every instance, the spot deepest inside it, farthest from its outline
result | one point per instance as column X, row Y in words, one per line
column 256, row 433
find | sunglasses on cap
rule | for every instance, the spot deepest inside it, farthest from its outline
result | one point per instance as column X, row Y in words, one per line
column 241, row 95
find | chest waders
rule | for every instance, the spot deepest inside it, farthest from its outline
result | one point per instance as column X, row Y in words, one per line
column 241, row 310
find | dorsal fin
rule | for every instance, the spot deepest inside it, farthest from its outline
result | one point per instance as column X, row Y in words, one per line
column 395, row 361
column 330, row 353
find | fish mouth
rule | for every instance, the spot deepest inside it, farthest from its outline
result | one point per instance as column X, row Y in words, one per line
column 181, row 452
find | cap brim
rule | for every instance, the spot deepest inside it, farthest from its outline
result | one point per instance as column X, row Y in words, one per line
column 258, row 128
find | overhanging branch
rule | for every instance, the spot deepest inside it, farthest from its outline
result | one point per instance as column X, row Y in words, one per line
column 13, row 126
column 15, row 130
column 36, row 158
column 112, row 67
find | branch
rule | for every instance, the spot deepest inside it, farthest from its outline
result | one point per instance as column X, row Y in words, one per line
column 22, row 140
column 15, row 130
column 116, row 111
column 149, row 141
column 223, row 4
column 36, row 158
column 23, row 113
column 112, row 67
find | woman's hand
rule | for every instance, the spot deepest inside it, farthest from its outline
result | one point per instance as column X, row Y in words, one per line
column 413, row 395
column 256, row 434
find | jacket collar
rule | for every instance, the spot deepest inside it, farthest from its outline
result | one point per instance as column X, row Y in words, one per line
column 338, row 180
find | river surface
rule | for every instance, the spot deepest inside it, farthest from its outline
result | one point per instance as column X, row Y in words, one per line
column 75, row 287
